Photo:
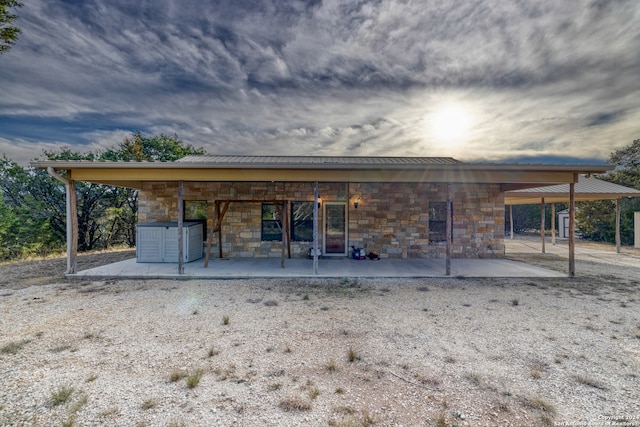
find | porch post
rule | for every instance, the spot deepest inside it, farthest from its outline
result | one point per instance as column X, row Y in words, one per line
column 618, row 225
column 448, row 231
column 315, row 228
column 71, row 218
column 553, row 223
column 180, row 228
column 572, row 225
column 511, row 220
column 542, row 224
column 72, row 226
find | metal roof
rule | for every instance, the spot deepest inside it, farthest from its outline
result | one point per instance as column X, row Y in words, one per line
column 317, row 160
column 585, row 189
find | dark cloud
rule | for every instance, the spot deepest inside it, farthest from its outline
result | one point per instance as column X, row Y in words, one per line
column 543, row 78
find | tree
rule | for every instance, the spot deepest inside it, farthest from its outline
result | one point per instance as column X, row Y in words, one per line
column 596, row 220
column 8, row 32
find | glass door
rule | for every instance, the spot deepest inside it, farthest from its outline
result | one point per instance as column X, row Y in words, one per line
column 335, row 229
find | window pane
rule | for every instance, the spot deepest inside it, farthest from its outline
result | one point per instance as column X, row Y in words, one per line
column 437, row 221
column 302, row 221
column 271, row 225
column 195, row 209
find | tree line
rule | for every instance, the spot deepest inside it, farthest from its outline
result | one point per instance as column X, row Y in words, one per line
column 595, row 220
column 32, row 204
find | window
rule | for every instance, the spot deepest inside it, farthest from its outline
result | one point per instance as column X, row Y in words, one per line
column 196, row 211
column 301, row 221
column 271, row 224
column 438, row 221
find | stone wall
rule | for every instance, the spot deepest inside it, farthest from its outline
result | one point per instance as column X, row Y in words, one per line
column 392, row 219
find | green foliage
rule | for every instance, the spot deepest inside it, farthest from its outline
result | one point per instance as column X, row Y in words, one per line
column 156, row 148
column 8, row 32
column 33, row 206
column 597, row 220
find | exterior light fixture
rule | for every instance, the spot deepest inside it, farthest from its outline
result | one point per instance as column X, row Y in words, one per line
column 355, row 205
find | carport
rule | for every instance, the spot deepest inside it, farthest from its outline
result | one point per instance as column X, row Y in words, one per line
column 587, row 188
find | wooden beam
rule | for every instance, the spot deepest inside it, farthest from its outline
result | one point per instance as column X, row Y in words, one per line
column 618, row 225
column 511, row 220
column 283, row 237
column 180, row 227
column 572, row 226
column 542, row 223
column 209, row 241
column 72, row 223
column 553, row 223
column 315, row 228
column 448, row 231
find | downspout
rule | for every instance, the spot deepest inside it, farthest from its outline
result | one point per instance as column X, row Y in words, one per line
column 72, row 241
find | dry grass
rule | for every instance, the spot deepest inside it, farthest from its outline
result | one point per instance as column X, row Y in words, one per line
column 294, row 404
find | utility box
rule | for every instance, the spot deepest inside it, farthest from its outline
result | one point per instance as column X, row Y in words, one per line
column 563, row 224
column 158, row 241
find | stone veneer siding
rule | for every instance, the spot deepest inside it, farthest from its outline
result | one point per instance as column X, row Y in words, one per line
column 392, row 219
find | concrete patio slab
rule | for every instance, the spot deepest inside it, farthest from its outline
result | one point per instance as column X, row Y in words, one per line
column 302, row 267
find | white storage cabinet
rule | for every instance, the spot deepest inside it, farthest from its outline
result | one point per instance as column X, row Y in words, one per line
column 158, row 241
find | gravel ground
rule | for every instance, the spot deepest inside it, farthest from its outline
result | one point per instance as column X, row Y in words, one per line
column 350, row 352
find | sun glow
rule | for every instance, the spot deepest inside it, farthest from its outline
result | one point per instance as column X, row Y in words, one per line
column 451, row 124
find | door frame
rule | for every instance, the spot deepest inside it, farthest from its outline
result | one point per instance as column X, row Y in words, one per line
column 324, row 228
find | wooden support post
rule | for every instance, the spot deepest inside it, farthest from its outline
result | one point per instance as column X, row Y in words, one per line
column 315, row 228
column 511, row 220
column 219, row 228
column 448, row 231
column 553, row 224
column 572, row 226
column 542, row 224
column 180, row 227
column 287, row 215
column 209, row 242
column 283, row 238
column 72, row 226
column 618, row 225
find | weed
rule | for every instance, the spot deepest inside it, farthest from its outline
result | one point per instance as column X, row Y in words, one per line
column 68, row 423
column 271, row 303
column 331, row 366
column 590, row 382
column 195, row 312
column 275, row 386
column 14, row 347
column 177, row 375
column 536, row 375
column 61, row 395
column 539, row 404
column 305, row 297
column 287, row 349
column 515, row 301
column 441, row 421
column 225, row 320
column 313, row 393
column 352, row 355
column 79, row 404
column 423, row 289
column 39, row 334
column 449, row 359
column 294, row 404
column 149, row 404
column 339, row 390
column 194, row 379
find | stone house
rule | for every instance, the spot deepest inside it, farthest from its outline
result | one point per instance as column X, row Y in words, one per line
column 397, row 207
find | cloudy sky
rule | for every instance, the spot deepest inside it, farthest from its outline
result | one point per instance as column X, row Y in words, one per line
column 478, row 80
